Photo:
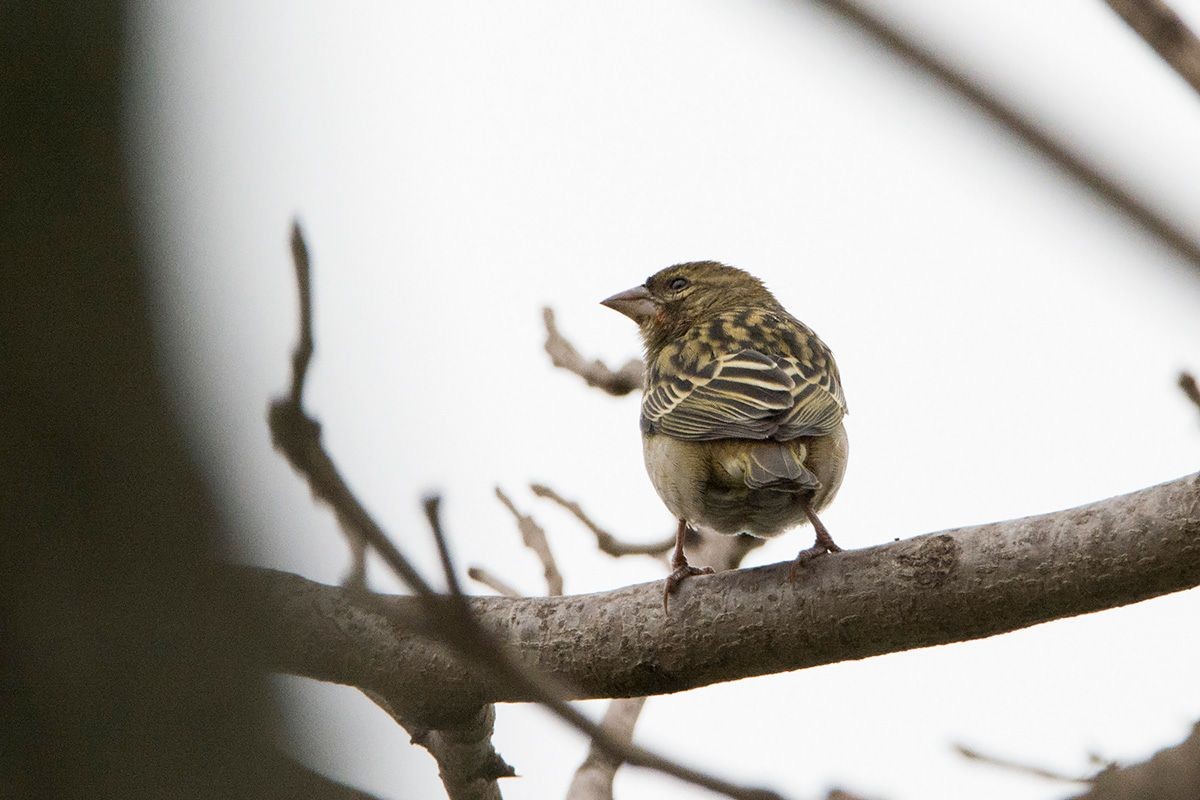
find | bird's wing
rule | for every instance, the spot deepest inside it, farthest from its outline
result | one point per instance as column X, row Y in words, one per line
column 739, row 395
column 783, row 386
column 818, row 404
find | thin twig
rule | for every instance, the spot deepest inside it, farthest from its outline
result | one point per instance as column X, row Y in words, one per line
column 604, row 540
column 1017, row 766
column 1187, row 382
column 492, row 581
column 564, row 355
column 297, row 436
column 534, row 538
column 1035, row 136
column 1163, row 29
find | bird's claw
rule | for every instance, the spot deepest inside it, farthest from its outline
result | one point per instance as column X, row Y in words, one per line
column 681, row 573
column 807, row 555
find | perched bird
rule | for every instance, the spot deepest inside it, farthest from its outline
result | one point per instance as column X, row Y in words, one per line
column 742, row 410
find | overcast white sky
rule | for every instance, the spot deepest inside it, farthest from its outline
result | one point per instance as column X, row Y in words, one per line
column 1008, row 343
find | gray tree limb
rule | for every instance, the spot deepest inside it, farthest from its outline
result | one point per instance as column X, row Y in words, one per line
column 939, row 588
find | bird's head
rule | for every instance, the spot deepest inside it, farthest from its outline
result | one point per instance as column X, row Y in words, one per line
column 678, row 298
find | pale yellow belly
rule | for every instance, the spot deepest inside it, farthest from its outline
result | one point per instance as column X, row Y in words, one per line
column 697, row 483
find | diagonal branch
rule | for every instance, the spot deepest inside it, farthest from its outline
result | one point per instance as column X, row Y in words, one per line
column 938, row 588
column 1035, row 136
column 1166, row 32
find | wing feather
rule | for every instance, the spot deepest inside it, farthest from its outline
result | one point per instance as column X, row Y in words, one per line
column 783, row 384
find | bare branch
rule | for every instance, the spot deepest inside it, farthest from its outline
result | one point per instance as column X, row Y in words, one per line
column 594, row 778
column 564, row 355
column 1162, row 29
column 604, row 540
column 535, row 539
column 1187, row 382
column 298, row 437
column 1016, row 766
column 492, row 581
column 1033, row 135
column 938, row 588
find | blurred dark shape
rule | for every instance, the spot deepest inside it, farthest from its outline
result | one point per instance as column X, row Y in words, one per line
column 126, row 669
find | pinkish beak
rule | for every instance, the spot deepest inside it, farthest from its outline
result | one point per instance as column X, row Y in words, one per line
column 634, row 303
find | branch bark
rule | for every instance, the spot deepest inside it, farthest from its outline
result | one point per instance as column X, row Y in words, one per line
column 939, row 588
column 1162, row 29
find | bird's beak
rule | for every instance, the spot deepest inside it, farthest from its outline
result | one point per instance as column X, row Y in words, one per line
column 634, row 303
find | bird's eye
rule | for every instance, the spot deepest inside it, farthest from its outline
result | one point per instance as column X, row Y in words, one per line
column 678, row 284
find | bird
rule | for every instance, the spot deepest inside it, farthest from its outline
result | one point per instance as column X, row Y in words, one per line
column 742, row 409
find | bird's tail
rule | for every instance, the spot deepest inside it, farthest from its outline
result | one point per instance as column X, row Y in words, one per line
column 779, row 466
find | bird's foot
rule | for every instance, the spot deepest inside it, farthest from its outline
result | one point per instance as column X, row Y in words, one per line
column 681, row 573
column 808, row 554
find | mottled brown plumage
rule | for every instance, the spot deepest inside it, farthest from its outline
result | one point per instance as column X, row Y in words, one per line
column 742, row 410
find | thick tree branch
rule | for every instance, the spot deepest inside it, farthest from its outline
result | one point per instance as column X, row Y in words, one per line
column 1037, row 137
column 1162, row 29
column 938, row 588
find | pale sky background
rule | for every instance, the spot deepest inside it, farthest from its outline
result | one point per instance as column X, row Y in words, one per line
column 1008, row 343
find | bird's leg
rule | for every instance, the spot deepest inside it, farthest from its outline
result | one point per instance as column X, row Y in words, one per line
column 680, row 568
column 823, row 544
